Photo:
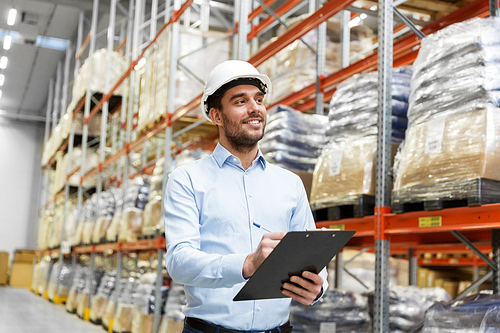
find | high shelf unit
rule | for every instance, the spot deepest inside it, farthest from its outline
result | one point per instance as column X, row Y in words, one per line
column 138, row 32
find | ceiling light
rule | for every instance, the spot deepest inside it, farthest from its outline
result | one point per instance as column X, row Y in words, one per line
column 7, row 41
column 354, row 22
column 363, row 16
column 2, row 79
column 374, row 7
column 3, row 62
column 11, row 19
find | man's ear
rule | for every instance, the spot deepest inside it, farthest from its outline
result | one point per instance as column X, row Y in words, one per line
column 215, row 116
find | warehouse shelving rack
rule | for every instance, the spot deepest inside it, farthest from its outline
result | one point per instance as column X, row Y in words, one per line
column 378, row 229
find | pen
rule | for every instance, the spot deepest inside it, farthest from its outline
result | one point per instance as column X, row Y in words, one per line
column 261, row 227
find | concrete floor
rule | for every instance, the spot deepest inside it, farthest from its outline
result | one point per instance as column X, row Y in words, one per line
column 21, row 311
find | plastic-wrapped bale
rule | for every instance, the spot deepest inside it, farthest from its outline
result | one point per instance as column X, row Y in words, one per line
column 45, row 272
column 90, row 288
column 407, row 305
column 134, row 201
column 154, row 75
column 122, row 320
column 293, row 139
column 114, row 227
column 491, row 321
column 97, row 62
column 89, row 220
column 336, row 311
column 104, row 293
column 104, row 215
column 451, row 152
column 465, row 315
column 60, row 282
column 354, row 106
column 294, row 67
column 145, row 303
column 77, row 286
column 173, row 320
column 109, row 309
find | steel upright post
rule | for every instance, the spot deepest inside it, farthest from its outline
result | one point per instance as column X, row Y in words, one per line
column 494, row 8
column 55, row 101
column 67, row 64
column 79, row 41
column 412, row 272
column 495, row 247
column 88, row 95
column 243, row 30
column 383, row 180
column 345, row 38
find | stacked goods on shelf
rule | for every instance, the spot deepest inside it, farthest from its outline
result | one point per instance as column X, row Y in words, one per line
column 134, row 201
column 294, row 67
column 112, row 231
column 154, row 74
column 476, row 313
column 43, row 273
column 407, row 305
column 77, row 286
column 107, row 316
column 173, row 320
column 4, row 268
column 103, row 294
column 293, row 139
column 362, row 266
column 91, row 161
column 90, row 288
column 46, row 219
column 336, row 311
column 60, row 281
column 122, row 319
column 98, row 61
column 89, row 219
column 451, row 154
column 104, row 215
column 144, row 301
column 345, row 172
column 152, row 212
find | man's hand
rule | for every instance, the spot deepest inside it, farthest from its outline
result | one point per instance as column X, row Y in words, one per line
column 310, row 287
column 266, row 246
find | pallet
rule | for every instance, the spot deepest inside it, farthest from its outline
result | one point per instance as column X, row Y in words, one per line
column 363, row 205
column 477, row 192
column 149, row 126
column 96, row 322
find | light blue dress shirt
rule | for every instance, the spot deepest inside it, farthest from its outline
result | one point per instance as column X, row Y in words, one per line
column 210, row 207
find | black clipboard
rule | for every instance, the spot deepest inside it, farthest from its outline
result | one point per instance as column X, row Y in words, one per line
column 297, row 252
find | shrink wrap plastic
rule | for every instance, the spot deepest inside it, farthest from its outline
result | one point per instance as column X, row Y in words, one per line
column 104, row 215
column 346, row 311
column 454, row 127
column 62, row 275
column 122, row 321
column 294, row 67
column 154, row 75
column 110, row 305
column 407, row 305
column 114, row 227
column 475, row 313
column 144, row 300
column 43, row 273
column 77, row 286
column 89, row 219
column 346, row 167
column 293, row 139
column 91, row 161
column 173, row 320
column 103, row 294
column 134, row 201
column 90, row 286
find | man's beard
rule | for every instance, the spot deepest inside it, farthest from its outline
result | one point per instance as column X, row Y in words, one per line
column 239, row 139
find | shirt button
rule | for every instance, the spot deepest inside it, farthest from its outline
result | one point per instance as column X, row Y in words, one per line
column 250, row 195
column 259, row 308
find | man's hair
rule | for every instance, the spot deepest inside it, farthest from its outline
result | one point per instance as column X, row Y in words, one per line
column 216, row 102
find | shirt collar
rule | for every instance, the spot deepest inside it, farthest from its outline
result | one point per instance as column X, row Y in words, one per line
column 221, row 154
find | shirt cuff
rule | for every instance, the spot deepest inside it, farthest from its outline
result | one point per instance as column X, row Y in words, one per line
column 232, row 268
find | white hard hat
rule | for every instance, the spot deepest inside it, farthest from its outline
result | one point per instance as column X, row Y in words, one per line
column 229, row 74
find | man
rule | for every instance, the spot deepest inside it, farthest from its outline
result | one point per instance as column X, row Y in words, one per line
column 211, row 206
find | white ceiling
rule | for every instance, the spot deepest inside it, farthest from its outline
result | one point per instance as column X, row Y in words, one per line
column 30, row 67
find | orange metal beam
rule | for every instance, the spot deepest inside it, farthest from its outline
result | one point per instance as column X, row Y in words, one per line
column 329, row 9
column 473, row 262
column 284, row 8
column 363, row 226
column 257, row 11
column 84, row 46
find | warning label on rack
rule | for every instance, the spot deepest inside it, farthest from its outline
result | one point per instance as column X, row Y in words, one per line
column 429, row 222
column 337, row 226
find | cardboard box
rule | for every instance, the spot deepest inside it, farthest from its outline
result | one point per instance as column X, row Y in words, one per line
column 422, row 277
column 24, row 256
column 21, row 273
column 4, row 267
column 306, row 180
column 451, row 287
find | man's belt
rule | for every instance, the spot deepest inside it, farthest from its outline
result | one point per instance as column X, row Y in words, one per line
column 207, row 327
